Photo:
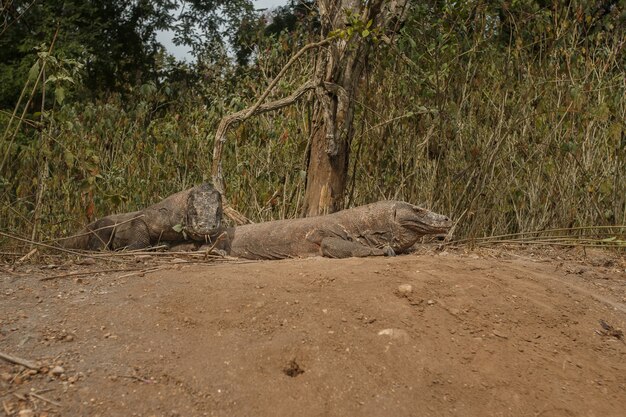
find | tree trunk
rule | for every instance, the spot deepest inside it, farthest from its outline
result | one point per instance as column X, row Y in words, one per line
column 337, row 75
column 349, row 30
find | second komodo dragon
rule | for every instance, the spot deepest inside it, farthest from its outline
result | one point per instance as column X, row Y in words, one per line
column 377, row 229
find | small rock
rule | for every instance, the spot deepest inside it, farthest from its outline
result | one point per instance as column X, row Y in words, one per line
column 57, row 370
column 405, row 289
column 27, row 412
column 69, row 338
column 444, row 253
column 431, row 302
column 86, row 261
column 396, row 334
column 500, row 334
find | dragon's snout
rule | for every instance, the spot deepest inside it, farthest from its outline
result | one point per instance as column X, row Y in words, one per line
column 428, row 221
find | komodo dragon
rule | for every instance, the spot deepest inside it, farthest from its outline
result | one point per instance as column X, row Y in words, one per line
column 194, row 214
column 383, row 228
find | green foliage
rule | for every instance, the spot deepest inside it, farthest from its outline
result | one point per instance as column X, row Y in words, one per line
column 115, row 40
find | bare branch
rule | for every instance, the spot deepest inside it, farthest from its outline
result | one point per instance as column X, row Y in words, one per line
column 256, row 108
column 18, row 361
column 293, row 59
column 240, row 116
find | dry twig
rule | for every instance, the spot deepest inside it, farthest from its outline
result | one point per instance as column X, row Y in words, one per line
column 86, row 254
column 77, row 274
column 27, row 256
column 143, row 271
column 44, row 399
column 19, row 361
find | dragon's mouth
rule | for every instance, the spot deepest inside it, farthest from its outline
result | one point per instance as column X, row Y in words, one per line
column 202, row 229
column 427, row 228
column 425, row 222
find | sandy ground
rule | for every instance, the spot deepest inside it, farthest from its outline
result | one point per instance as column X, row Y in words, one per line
column 488, row 333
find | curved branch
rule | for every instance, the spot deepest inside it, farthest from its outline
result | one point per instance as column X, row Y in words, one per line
column 257, row 108
column 240, row 116
column 293, row 59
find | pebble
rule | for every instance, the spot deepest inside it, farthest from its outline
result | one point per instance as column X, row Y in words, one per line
column 500, row 334
column 397, row 334
column 430, row 302
column 405, row 288
column 57, row 370
column 27, row 412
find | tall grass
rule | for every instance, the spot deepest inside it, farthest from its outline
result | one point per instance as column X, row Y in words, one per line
column 504, row 140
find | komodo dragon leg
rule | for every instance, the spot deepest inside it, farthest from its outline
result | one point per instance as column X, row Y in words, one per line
column 101, row 233
column 335, row 247
column 132, row 235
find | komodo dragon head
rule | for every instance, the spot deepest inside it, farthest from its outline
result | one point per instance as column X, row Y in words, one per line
column 413, row 222
column 204, row 212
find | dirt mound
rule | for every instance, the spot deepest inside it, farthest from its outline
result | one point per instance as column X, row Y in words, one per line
column 429, row 335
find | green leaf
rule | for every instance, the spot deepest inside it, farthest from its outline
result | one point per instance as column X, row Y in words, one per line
column 34, row 71
column 59, row 94
column 69, row 158
column 178, row 228
column 365, row 33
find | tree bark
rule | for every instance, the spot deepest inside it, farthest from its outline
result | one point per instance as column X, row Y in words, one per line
column 337, row 77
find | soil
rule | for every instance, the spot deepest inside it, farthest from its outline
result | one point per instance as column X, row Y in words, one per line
column 454, row 333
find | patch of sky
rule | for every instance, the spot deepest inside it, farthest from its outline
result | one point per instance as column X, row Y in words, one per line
column 183, row 53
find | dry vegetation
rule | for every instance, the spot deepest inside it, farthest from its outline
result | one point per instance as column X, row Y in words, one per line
column 503, row 136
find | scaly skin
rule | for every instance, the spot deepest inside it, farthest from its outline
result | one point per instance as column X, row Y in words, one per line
column 378, row 229
column 197, row 210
